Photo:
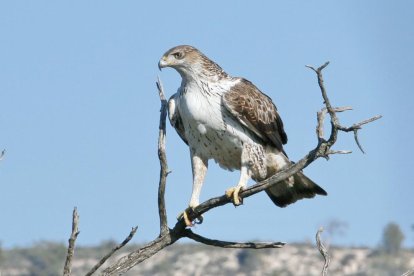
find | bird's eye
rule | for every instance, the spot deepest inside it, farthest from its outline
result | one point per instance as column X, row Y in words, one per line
column 178, row 55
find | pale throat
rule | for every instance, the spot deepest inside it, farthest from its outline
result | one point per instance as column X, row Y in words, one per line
column 197, row 74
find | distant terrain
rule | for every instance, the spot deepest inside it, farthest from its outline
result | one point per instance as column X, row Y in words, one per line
column 47, row 259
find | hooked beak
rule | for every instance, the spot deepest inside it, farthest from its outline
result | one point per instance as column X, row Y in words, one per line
column 162, row 63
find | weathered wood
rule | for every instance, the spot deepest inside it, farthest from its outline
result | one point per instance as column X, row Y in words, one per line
column 67, row 269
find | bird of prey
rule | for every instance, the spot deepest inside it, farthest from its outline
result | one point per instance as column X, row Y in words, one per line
column 230, row 120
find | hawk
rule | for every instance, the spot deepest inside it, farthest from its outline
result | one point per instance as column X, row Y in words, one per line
column 230, row 120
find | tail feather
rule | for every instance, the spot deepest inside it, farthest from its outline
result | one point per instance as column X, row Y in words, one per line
column 286, row 193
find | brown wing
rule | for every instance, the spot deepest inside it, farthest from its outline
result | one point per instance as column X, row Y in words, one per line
column 175, row 117
column 256, row 111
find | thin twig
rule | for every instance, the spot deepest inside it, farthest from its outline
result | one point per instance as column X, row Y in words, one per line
column 67, row 270
column 356, row 127
column 335, row 125
column 339, row 152
column 226, row 244
column 331, row 111
column 116, row 248
column 321, row 117
column 127, row 262
column 324, row 252
column 357, row 141
column 163, row 161
column 323, row 90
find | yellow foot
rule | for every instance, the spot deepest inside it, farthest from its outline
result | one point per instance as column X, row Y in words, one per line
column 187, row 220
column 233, row 194
column 185, row 215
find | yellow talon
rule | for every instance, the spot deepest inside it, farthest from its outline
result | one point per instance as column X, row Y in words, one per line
column 186, row 217
column 233, row 193
column 187, row 220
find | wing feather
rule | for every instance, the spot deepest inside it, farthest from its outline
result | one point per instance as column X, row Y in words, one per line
column 175, row 117
column 256, row 111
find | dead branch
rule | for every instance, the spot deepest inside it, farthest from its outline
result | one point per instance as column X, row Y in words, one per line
column 116, row 248
column 356, row 127
column 321, row 117
column 225, row 244
column 163, row 161
column 324, row 252
column 336, row 126
column 169, row 236
column 71, row 248
column 67, row 270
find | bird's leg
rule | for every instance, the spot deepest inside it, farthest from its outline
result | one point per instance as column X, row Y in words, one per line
column 245, row 174
column 199, row 167
column 233, row 192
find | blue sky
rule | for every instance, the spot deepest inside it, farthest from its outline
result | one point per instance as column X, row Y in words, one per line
column 79, row 114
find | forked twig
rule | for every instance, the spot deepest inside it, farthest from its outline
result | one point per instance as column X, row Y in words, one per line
column 335, row 125
column 116, row 248
column 226, row 244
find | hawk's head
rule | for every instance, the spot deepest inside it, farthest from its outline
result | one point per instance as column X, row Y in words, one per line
column 179, row 57
column 190, row 63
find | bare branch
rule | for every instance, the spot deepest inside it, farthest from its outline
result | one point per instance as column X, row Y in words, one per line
column 319, row 69
column 332, row 114
column 336, row 126
column 342, row 109
column 321, row 117
column 127, row 262
column 356, row 127
column 226, row 244
column 160, row 89
column 163, row 161
column 67, row 270
column 357, row 141
column 339, row 152
column 324, row 252
column 321, row 85
column 116, row 248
